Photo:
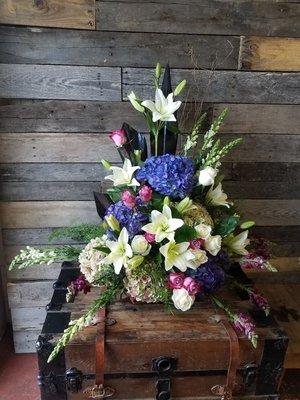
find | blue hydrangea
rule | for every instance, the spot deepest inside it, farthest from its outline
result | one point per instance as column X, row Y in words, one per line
column 131, row 219
column 168, row 175
column 210, row 275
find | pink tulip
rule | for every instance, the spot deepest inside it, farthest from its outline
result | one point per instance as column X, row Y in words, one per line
column 145, row 193
column 118, row 137
column 128, row 199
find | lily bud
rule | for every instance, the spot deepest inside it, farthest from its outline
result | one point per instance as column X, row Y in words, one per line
column 158, row 71
column 138, row 154
column 135, row 102
column 113, row 223
column 106, row 164
column 167, row 201
column 135, row 261
column 180, row 87
column 247, row 224
column 185, row 205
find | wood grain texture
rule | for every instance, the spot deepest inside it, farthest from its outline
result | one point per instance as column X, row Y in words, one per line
column 42, row 214
column 66, row 116
column 221, row 86
column 269, row 54
column 24, row 341
column 260, row 118
column 72, row 148
column 93, row 172
column 67, row 47
column 28, row 318
column 60, row 82
column 29, row 294
column 76, row 14
column 28, row 191
column 225, row 17
column 45, row 272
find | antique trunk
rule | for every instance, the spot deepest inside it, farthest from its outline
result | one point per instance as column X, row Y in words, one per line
column 150, row 353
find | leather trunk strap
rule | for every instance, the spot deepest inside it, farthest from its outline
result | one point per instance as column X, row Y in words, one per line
column 100, row 347
column 226, row 392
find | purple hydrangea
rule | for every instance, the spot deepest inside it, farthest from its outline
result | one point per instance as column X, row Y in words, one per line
column 130, row 218
column 210, row 275
column 169, row 175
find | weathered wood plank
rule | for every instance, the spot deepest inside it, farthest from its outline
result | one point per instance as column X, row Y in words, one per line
column 46, row 272
column 221, row 86
column 48, row 46
column 45, row 214
column 35, row 214
column 275, row 233
column 60, row 82
column 66, row 116
column 55, row 172
column 77, row 14
column 271, row 212
column 269, row 54
column 260, row 118
column 73, row 148
column 28, row 318
column 29, row 294
column 225, row 17
column 94, row 172
column 32, row 191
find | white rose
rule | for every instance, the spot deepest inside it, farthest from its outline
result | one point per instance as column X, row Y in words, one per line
column 182, row 300
column 203, row 231
column 213, row 244
column 140, row 245
column 200, row 258
column 207, row 176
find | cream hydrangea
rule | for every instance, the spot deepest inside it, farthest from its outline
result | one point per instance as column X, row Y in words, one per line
column 90, row 259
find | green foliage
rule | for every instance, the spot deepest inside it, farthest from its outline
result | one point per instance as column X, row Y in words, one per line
column 30, row 256
column 80, row 233
column 226, row 226
column 185, row 233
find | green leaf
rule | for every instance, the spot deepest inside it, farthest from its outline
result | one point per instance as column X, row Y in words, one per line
column 185, row 233
column 173, row 128
column 102, row 248
column 247, row 224
column 226, row 226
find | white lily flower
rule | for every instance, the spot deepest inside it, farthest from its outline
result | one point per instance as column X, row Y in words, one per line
column 237, row 243
column 120, row 253
column 177, row 255
column 217, row 197
column 124, row 176
column 135, row 102
column 164, row 107
column 162, row 224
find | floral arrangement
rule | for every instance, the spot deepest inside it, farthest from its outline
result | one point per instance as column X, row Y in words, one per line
column 168, row 234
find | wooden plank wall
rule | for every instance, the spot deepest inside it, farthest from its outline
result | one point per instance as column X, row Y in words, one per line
column 62, row 90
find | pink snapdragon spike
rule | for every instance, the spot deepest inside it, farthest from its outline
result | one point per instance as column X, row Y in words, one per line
column 176, row 280
column 192, row 286
column 196, row 244
column 249, row 261
column 243, row 323
column 149, row 237
column 78, row 285
column 260, row 301
column 128, row 199
column 118, row 137
column 145, row 193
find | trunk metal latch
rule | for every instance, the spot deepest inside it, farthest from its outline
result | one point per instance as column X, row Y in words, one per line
column 164, row 367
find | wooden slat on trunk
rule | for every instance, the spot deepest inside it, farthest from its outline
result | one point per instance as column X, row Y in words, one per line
column 77, row 14
column 269, row 54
